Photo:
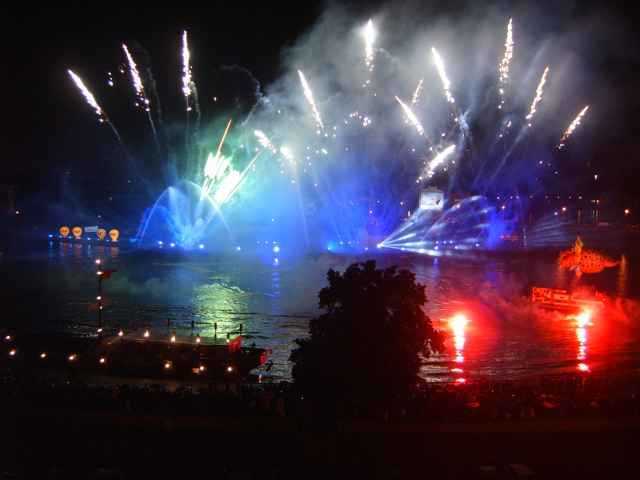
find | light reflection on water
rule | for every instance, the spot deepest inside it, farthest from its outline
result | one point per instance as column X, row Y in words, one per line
column 504, row 337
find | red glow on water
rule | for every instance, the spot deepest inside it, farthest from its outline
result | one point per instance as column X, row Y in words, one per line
column 583, row 367
column 458, row 324
column 583, row 319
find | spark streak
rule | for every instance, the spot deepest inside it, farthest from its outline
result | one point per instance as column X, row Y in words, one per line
column 86, row 93
column 216, row 167
column 91, row 100
column 138, row 86
column 308, row 93
column 416, row 93
column 264, row 140
column 287, row 153
column 439, row 159
column 224, row 136
column 411, row 117
column 369, row 33
column 503, row 68
column 572, row 126
column 538, row 97
column 135, row 78
column 446, row 84
column 187, row 82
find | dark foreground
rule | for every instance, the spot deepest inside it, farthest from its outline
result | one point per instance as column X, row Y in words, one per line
column 562, row 428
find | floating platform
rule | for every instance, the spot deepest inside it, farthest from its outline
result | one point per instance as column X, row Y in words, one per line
column 559, row 299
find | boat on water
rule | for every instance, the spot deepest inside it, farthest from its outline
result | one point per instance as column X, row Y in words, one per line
column 137, row 354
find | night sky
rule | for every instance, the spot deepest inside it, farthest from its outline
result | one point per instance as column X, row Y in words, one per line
column 46, row 130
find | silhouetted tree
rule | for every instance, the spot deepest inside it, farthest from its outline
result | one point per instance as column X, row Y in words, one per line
column 368, row 345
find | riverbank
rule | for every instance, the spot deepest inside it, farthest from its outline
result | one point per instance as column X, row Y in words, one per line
column 556, row 428
column 57, row 444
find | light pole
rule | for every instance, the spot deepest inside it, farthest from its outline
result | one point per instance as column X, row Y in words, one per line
column 100, row 274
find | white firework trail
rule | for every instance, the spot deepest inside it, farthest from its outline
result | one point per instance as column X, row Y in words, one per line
column 417, row 92
column 86, row 93
column 442, row 73
column 308, row 93
column 216, row 165
column 189, row 89
column 538, row 97
column 136, row 79
column 224, row 136
column 503, row 68
column 411, row 117
column 93, row 103
column 264, row 141
column 572, row 126
column 439, row 159
column 138, row 86
column 286, row 152
column 187, row 81
column 369, row 34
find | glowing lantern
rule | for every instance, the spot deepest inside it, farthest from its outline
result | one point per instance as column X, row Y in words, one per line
column 64, row 231
column 101, row 233
column 102, row 360
column 77, row 232
column 43, row 355
column 114, row 234
column 72, row 357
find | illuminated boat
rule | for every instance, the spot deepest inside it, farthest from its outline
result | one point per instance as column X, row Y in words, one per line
column 139, row 354
column 560, row 299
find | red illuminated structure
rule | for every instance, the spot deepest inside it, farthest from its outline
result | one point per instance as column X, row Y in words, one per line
column 559, row 299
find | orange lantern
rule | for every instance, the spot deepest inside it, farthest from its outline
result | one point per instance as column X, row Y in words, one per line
column 77, row 232
column 101, row 233
column 114, row 234
column 64, row 231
